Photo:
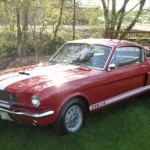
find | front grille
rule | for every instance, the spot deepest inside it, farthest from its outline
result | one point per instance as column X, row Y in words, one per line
column 7, row 96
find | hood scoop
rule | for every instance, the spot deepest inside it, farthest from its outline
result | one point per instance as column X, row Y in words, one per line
column 24, row 73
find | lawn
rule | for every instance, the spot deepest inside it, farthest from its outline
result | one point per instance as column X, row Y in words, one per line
column 122, row 127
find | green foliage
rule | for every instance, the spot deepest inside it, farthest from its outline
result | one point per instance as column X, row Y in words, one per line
column 128, row 18
column 2, row 48
column 8, row 41
column 37, row 35
column 43, row 17
column 93, row 15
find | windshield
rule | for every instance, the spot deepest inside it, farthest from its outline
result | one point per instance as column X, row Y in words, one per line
column 84, row 54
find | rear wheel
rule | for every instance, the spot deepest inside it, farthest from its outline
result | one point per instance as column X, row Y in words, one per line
column 72, row 117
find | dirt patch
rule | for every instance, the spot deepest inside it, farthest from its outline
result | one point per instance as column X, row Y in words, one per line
column 12, row 62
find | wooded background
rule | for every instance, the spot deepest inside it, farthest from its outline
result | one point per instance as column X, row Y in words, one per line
column 39, row 27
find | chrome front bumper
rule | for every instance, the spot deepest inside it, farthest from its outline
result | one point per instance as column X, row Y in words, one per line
column 6, row 108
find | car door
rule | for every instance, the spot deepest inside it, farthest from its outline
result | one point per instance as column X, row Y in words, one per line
column 130, row 71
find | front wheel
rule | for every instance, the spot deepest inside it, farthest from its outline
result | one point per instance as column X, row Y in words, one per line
column 72, row 117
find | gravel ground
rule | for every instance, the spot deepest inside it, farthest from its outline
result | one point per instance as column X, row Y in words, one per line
column 11, row 62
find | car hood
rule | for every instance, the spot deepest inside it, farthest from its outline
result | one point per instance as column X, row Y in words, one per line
column 21, row 80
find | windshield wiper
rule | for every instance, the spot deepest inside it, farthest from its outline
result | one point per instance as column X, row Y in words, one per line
column 80, row 64
column 24, row 73
column 76, row 63
column 52, row 61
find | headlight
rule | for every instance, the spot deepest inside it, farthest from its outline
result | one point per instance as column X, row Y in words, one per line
column 35, row 101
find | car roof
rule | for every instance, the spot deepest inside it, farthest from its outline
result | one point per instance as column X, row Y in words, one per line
column 108, row 42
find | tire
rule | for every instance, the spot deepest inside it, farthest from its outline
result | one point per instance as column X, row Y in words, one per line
column 71, row 118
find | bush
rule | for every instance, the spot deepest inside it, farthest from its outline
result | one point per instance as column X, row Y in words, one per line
column 8, row 43
column 42, row 43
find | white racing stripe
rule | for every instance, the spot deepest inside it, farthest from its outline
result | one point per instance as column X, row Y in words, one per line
column 119, row 97
column 15, row 77
column 6, row 82
column 8, row 76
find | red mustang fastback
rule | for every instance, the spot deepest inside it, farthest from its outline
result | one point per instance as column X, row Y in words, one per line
column 84, row 76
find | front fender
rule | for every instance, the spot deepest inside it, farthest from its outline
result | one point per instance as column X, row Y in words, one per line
column 69, row 97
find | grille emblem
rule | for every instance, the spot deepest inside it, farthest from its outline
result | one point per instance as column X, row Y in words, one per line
column 10, row 96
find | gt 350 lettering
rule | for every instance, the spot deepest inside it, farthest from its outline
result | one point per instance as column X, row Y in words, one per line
column 97, row 105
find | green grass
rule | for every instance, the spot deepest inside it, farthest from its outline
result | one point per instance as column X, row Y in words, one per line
column 122, row 127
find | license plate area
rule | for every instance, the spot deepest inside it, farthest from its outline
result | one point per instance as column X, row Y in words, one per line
column 5, row 116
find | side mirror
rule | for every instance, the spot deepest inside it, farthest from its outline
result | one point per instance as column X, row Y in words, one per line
column 112, row 66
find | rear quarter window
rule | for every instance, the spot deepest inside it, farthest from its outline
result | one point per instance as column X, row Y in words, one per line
column 147, row 53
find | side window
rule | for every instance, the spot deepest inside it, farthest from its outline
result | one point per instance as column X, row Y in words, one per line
column 127, row 56
column 100, row 56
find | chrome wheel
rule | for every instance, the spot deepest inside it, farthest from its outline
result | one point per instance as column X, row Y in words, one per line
column 71, row 118
column 74, row 118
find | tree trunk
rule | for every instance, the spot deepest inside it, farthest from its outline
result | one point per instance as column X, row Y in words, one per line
column 59, row 21
column 142, row 3
column 19, row 33
column 113, row 15
column 120, row 16
column 74, row 19
column 114, row 19
column 25, row 29
column 106, row 16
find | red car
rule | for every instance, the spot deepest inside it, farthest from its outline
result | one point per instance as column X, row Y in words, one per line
column 84, row 76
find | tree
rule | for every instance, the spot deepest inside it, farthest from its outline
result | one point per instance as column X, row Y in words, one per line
column 74, row 19
column 59, row 20
column 19, row 31
column 114, row 19
column 21, row 16
column 42, row 15
column 7, row 23
column 26, row 7
column 74, row 4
